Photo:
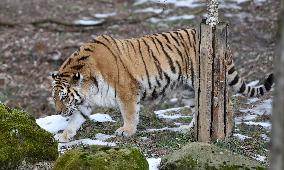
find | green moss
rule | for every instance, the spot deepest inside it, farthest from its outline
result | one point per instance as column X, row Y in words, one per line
column 209, row 157
column 21, row 139
column 103, row 158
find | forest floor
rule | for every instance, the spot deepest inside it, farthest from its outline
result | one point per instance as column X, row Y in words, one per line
column 36, row 36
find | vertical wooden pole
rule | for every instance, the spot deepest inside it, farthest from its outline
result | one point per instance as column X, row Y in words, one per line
column 214, row 119
column 277, row 151
column 204, row 84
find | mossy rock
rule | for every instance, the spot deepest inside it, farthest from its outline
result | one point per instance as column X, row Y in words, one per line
column 22, row 140
column 103, row 158
column 201, row 156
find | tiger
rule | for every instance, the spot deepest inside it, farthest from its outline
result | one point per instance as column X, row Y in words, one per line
column 121, row 73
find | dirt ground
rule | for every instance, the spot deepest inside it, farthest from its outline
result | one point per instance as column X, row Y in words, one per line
column 36, row 36
column 32, row 44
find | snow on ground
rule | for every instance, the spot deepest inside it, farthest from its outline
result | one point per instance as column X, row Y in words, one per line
column 181, row 128
column 53, row 123
column 259, row 158
column 154, row 163
column 162, row 113
column 88, row 21
column 265, row 107
column 266, row 125
column 86, row 141
column 177, row 3
column 180, row 17
column 103, row 137
column 62, row 147
column 105, row 15
column 147, row 10
column 56, row 123
column 100, row 117
column 241, row 137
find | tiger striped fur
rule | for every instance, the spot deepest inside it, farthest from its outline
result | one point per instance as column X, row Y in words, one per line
column 120, row 73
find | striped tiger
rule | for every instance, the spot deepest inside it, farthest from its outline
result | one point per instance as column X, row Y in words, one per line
column 121, row 73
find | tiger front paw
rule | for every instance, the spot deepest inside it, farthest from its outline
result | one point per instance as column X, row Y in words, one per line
column 65, row 136
column 125, row 131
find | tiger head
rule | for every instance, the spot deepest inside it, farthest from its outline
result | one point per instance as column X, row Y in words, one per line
column 66, row 92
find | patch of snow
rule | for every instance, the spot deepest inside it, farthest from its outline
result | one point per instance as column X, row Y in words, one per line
column 53, row 123
column 180, row 17
column 154, row 20
column 229, row 6
column 100, row 117
column 87, row 21
column 177, row 3
column 239, row 120
column 266, row 125
column 265, row 137
column 154, row 163
column 252, row 100
column 182, row 129
column 105, row 15
column 87, row 141
column 241, row 1
column 241, row 137
column 259, row 158
column 264, row 107
column 174, row 100
column 175, row 129
column 253, row 83
column 103, row 137
column 139, row 2
column 150, row 9
column 161, row 113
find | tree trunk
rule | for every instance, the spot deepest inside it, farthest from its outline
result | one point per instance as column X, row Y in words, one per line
column 214, row 117
column 277, row 161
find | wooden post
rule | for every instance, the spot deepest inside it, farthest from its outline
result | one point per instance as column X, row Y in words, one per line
column 277, row 151
column 214, row 119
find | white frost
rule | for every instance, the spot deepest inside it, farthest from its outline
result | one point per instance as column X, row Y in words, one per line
column 100, row 117
column 103, row 137
column 180, row 17
column 241, row 137
column 154, row 163
column 264, row 107
column 53, row 123
column 162, row 113
column 266, row 125
column 87, row 21
column 104, row 15
column 62, row 147
column 265, row 137
column 259, row 158
column 177, row 3
column 182, row 129
column 150, row 9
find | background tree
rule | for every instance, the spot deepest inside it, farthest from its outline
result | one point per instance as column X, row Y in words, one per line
column 277, row 161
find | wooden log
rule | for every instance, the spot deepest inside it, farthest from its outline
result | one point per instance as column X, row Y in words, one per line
column 204, row 81
column 214, row 116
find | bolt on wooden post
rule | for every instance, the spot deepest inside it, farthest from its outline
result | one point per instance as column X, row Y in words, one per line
column 214, row 116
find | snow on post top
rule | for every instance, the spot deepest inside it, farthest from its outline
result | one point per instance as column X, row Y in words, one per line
column 212, row 8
